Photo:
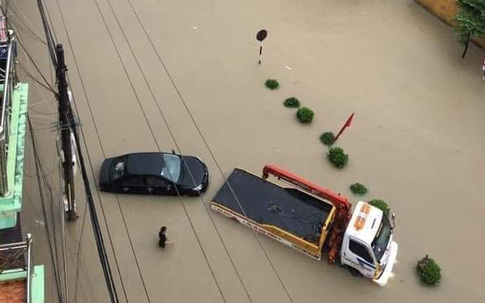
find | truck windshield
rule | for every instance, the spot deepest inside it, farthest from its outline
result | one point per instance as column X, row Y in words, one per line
column 381, row 240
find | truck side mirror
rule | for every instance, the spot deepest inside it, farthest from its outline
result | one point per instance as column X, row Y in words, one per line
column 393, row 217
column 173, row 151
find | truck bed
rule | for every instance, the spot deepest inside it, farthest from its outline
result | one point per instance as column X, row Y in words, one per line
column 267, row 203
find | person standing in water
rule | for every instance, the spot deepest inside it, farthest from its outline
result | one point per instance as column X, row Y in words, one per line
column 163, row 237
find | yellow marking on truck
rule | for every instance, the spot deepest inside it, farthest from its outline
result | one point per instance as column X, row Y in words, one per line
column 360, row 221
column 286, row 238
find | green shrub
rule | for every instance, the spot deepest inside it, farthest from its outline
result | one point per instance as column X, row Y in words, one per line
column 381, row 205
column 358, row 189
column 305, row 115
column 338, row 157
column 272, row 84
column 292, row 102
column 429, row 271
column 327, row 138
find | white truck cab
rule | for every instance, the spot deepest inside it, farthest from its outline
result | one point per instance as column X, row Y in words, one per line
column 368, row 245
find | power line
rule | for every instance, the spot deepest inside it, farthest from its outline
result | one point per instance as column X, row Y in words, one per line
column 96, row 228
column 87, row 150
column 206, row 144
column 199, row 133
column 52, row 212
column 48, row 86
column 26, row 24
column 54, row 229
column 48, row 34
column 50, row 89
column 38, row 168
column 40, row 220
column 78, row 254
column 7, row 6
column 180, row 151
column 153, row 135
column 54, row 235
column 17, row 33
column 93, row 214
column 63, row 232
column 79, row 262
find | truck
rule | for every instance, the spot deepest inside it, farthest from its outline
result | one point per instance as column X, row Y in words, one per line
column 311, row 219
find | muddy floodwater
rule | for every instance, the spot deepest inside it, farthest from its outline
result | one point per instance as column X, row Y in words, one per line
column 194, row 82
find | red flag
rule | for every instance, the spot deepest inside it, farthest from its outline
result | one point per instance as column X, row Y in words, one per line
column 347, row 124
column 349, row 120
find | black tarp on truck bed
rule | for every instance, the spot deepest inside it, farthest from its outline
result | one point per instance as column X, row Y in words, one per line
column 267, row 203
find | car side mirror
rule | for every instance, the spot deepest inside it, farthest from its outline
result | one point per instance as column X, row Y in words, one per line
column 173, row 151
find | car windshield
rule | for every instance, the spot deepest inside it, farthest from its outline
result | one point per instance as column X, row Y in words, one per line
column 381, row 240
column 117, row 168
column 171, row 167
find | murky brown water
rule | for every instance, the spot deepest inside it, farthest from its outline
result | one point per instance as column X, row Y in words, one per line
column 417, row 138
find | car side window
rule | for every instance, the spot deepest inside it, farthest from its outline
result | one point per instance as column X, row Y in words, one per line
column 360, row 250
column 134, row 181
column 155, row 182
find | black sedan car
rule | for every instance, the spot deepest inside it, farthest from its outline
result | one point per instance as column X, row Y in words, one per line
column 154, row 173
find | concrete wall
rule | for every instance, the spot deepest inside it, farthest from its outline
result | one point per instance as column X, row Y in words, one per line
column 445, row 10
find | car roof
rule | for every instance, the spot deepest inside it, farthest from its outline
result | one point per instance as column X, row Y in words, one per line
column 144, row 163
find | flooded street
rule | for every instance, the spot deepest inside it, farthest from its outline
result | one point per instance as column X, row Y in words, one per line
column 160, row 75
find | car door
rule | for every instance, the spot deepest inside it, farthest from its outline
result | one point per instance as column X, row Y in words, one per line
column 158, row 186
column 133, row 184
column 358, row 256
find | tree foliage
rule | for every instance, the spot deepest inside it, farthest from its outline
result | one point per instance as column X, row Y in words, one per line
column 272, row 84
column 358, row 189
column 469, row 21
column 327, row 138
column 382, row 205
column 429, row 271
column 338, row 157
column 305, row 115
column 292, row 102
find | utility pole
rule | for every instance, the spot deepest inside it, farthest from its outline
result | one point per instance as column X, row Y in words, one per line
column 65, row 123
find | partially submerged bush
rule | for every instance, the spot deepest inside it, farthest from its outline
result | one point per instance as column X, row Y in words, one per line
column 305, row 115
column 292, row 102
column 381, row 205
column 338, row 157
column 272, row 84
column 358, row 189
column 327, row 138
column 429, row 271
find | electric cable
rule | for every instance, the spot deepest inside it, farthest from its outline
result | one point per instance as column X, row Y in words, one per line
column 26, row 24
column 123, row 217
column 38, row 168
column 87, row 150
column 207, row 145
column 95, row 224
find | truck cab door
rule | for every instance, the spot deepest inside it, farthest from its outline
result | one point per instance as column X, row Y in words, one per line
column 358, row 255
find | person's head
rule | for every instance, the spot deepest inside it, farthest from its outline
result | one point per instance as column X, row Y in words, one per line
column 163, row 229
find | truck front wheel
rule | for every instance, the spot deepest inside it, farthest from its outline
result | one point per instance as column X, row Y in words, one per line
column 355, row 272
